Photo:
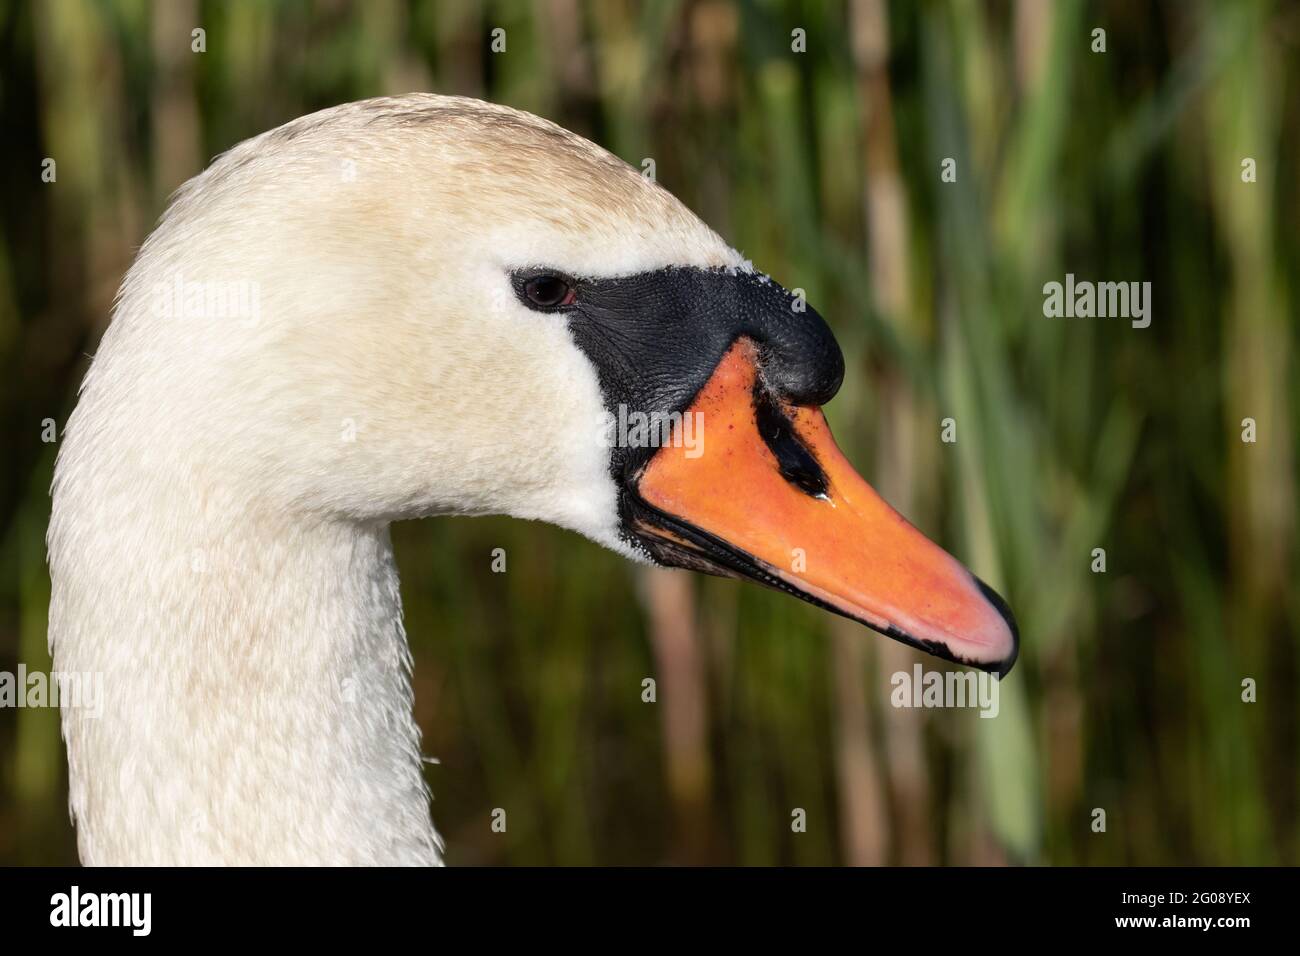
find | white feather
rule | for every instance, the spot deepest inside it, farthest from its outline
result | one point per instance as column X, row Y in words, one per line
column 220, row 552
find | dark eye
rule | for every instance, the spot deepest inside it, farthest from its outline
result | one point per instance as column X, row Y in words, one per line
column 549, row 291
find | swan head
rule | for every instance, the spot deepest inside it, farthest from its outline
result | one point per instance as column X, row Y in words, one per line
column 426, row 305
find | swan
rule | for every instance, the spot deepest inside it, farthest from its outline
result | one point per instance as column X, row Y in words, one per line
column 391, row 309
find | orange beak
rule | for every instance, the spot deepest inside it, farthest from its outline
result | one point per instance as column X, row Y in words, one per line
column 767, row 495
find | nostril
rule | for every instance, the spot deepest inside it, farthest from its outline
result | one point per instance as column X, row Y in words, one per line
column 795, row 462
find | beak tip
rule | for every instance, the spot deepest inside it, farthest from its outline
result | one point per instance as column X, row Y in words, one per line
column 1008, row 660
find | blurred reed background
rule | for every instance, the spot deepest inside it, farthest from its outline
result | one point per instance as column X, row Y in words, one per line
column 824, row 167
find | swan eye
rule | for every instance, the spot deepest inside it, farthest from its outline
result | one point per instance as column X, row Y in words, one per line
column 549, row 291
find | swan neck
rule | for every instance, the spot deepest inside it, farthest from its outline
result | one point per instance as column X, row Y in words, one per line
column 257, row 705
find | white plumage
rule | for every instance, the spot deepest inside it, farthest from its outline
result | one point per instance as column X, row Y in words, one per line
column 219, row 542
